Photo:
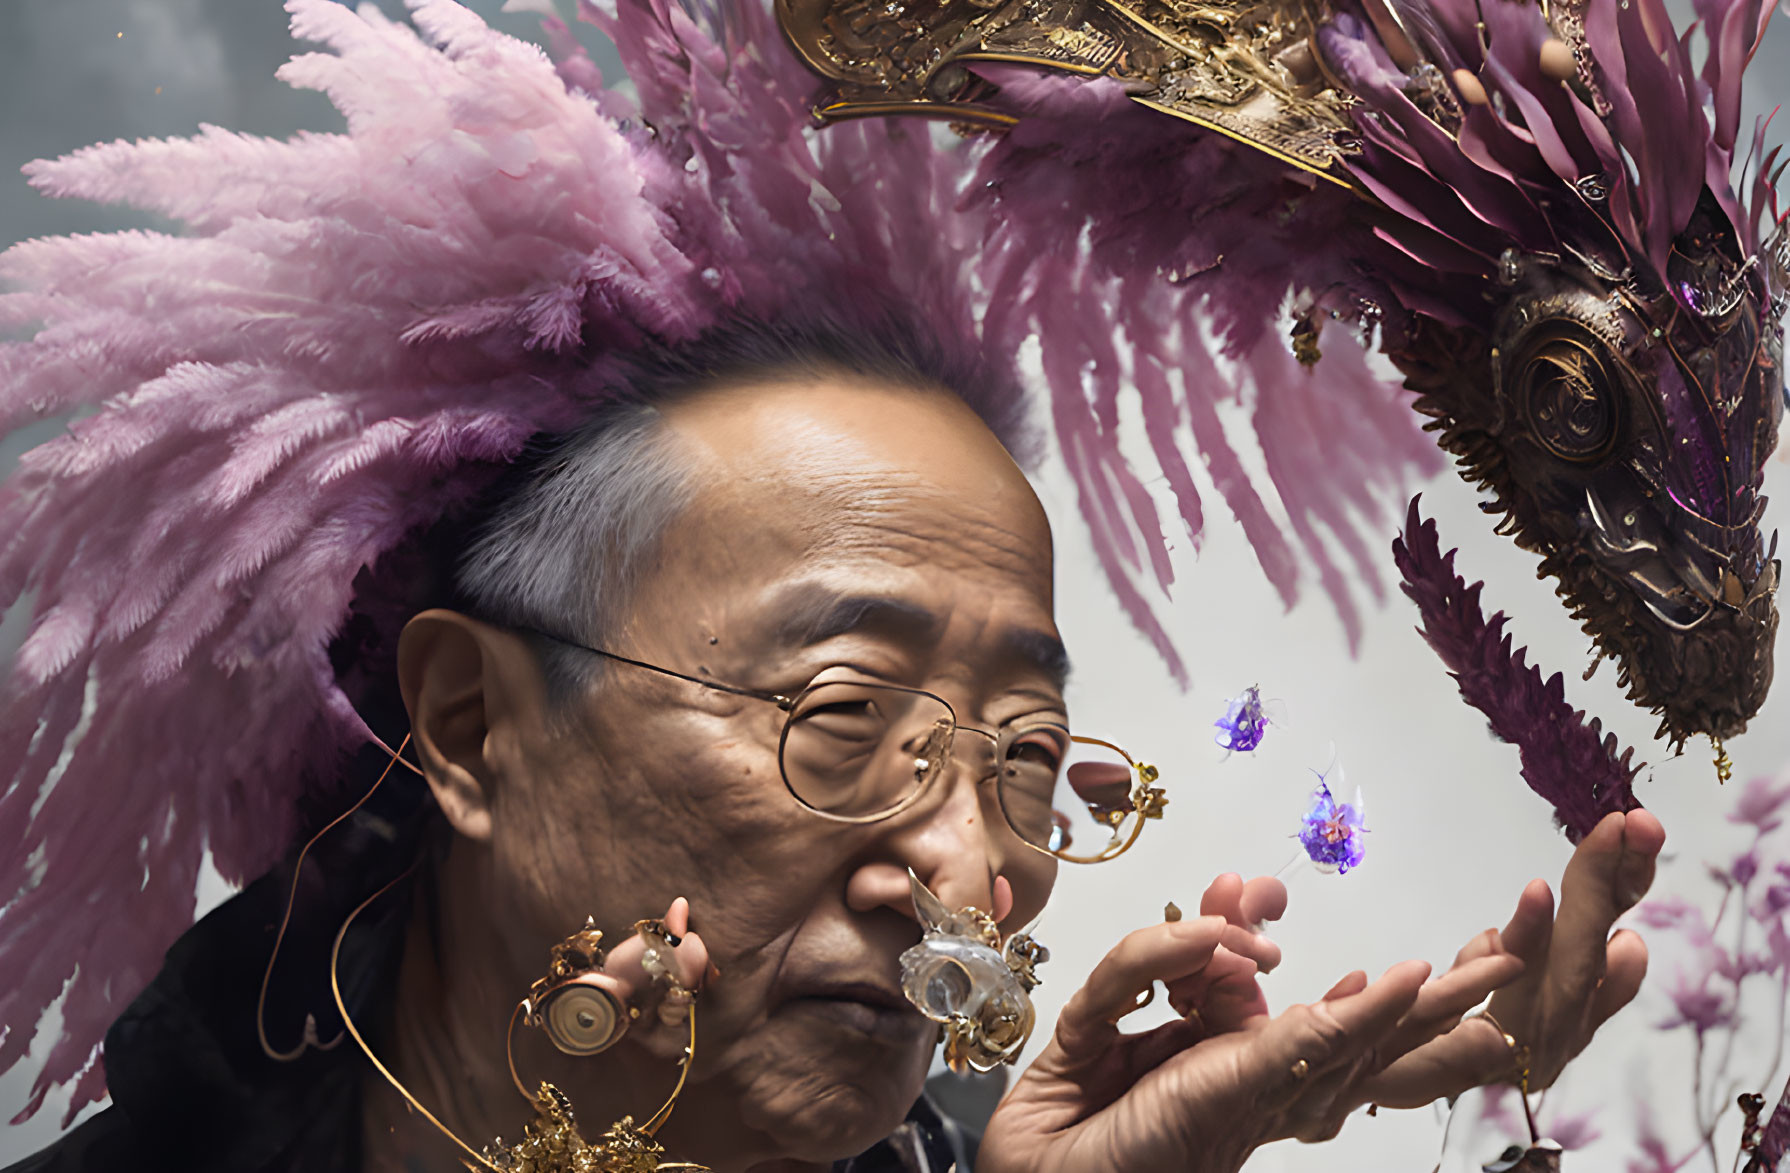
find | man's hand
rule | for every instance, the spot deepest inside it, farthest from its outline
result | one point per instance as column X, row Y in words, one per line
column 1202, row 1092
column 1577, row 974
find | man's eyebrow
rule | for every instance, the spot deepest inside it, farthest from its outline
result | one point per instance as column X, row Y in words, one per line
column 1039, row 650
column 815, row 614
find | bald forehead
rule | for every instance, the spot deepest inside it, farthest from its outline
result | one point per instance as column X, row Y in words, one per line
column 801, row 441
column 881, row 523
column 814, row 417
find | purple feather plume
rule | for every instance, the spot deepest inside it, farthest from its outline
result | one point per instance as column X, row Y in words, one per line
column 353, row 329
column 1582, row 773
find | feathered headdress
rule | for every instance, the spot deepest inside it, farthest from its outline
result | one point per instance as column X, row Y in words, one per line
column 356, row 328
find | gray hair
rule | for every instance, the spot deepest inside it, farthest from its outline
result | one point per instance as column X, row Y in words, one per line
column 564, row 536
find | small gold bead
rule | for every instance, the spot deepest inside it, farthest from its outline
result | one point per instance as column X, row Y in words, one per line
column 1471, row 91
column 1557, row 60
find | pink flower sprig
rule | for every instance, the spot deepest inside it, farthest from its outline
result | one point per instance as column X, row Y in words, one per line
column 1582, row 772
column 1731, row 964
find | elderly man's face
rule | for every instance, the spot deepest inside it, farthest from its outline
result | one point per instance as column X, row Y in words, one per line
column 842, row 530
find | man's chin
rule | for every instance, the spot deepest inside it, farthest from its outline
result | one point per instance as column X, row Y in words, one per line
column 834, row 1080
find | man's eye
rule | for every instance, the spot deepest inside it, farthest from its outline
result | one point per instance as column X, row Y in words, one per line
column 846, row 718
column 844, row 709
column 1036, row 754
column 1032, row 754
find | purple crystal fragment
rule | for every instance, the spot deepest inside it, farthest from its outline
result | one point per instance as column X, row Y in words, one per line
column 1243, row 724
column 1331, row 832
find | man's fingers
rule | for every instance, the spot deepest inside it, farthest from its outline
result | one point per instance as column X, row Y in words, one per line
column 1607, row 874
column 1421, row 1066
column 1486, row 944
column 1224, row 897
column 1306, row 1041
column 1163, row 952
column 1531, row 925
column 1643, row 837
column 1441, row 1003
column 1259, row 949
column 1462, row 988
column 1471, row 1055
column 1250, row 904
column 1264, row 900
column 1625, row 967
column 1247, row 906
column 689, row 958
column 1224, row 993
column 1527, row 936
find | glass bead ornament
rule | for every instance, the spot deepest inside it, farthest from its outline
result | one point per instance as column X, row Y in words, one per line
column 961, row 976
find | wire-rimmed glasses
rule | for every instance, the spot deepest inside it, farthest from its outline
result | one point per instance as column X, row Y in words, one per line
column 859, row 751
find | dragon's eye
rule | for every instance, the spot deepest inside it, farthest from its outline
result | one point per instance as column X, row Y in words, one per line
column 1569, row 398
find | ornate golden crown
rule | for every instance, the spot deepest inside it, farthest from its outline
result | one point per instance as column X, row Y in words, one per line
column 1245, row 68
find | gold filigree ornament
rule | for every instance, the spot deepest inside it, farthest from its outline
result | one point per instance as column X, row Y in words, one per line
column 1249, row 69
column 551, row 1142
column 581, row 1009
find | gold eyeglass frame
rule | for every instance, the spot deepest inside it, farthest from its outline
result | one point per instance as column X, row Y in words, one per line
column 1147, row 800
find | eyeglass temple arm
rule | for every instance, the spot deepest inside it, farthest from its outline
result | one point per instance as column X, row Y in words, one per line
column 1080, row 740
column 778, row 699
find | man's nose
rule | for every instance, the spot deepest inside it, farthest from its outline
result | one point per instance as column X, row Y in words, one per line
column 948, row 841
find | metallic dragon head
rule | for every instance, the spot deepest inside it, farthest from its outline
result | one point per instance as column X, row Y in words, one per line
column 1596, row 344
column 1623, row 436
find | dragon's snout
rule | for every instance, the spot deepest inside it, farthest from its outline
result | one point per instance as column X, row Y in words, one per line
column 1692, row 632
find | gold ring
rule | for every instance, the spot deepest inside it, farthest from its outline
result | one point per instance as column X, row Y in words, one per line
column 1519, row 1053
column 1301, row 1069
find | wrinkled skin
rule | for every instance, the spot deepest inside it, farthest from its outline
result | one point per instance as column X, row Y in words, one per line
column 647, row 789
column 662, row 789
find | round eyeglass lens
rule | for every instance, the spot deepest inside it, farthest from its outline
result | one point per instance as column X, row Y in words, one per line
column 1068, row 796
column 857, row 751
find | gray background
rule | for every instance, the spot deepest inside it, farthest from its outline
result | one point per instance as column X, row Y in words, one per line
column 1454, row 833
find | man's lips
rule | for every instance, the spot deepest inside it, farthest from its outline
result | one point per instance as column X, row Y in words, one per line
column 864, row 1007
column 870, row 993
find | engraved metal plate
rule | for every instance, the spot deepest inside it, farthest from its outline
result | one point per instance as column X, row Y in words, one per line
column 1245, row 68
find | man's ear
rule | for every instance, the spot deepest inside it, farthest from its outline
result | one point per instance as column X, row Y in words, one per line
column 464, row 681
